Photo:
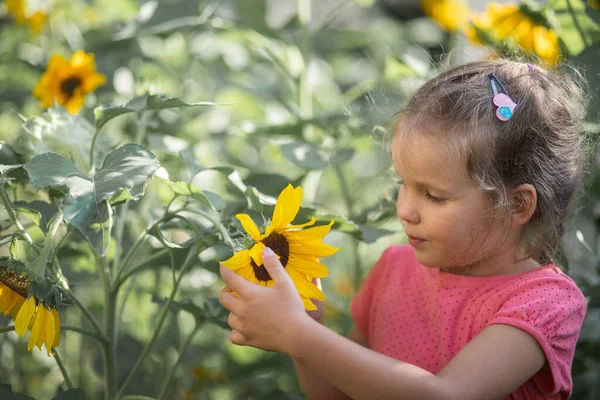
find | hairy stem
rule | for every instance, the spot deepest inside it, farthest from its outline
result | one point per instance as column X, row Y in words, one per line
column 109, row 333
column 85, row 332
column 146, row 263
column 169, row 378
column 62, row 368
column 87, row 314
column 13, row 217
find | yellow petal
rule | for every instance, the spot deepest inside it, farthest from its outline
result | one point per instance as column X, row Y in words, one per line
column 24, row 316
column 310, row 234
column 238, row 260
column 249, row 226
column 309, row 223
column 305, row 286
column 38, row 325
column 256, row 253
column 17, row 306
column 45, row 314
column 56, row 327
column 286, row 208
column 307, row 265
column 92, row 82
column 308, row 305
column 49, row 331
column 314, row 249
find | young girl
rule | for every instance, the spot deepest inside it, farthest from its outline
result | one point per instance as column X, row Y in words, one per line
column 474, row 307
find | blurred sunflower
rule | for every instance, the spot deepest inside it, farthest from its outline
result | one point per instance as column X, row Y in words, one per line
column 67, row 82
column 507, row 21
column 297, row 249
column 29, row 313
column 452, row 15
column 35, row 20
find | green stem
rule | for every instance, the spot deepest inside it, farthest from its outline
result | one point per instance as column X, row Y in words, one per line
column 215, row 222
column 345, row 191
column 130, row 254
column 83, row 331
column 62, row 368
column 87, row 314
column 13, row 217
column 7, row 329
column 109, row 333
column 119, row 229
column 169, row 378
column 162, row 317
column 56, row 269
column 144, row 264
column 128, row 292
column 577, row 24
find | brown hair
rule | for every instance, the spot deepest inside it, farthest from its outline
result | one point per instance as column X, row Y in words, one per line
column 541, row 144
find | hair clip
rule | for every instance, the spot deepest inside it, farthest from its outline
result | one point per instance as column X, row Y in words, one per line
column 506, row 106
column 531, row 71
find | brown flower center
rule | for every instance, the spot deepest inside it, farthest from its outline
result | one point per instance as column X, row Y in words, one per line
column 16, row 282
column 279, row 244
column 68, row 86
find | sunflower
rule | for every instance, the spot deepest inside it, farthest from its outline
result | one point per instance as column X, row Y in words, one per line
column 297, row 249
column 35, row 20
column 507, row 21
column 452, row 15
column 67, row 82
column 28, row 312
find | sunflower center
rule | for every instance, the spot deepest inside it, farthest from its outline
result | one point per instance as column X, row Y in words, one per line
column 68, row 86
column 279, row 244
column 16, row 282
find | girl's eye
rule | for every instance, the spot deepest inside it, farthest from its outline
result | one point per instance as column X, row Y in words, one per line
column 399, row 181
column 435, row 199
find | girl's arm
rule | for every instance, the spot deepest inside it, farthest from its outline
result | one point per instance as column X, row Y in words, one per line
column 495, row 363
column 315, row 386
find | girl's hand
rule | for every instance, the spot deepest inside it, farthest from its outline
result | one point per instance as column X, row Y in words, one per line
column 267, row 318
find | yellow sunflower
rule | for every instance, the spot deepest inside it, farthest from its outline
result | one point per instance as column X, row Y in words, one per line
column 35, row 20
column 297, row 249
column 452, row 15
column 28, row 313
column 67, row 82
column 507, row 21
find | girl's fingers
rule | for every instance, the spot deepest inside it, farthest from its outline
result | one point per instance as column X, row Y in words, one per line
column 229, row 300
column 237, row 338
column 233, row 321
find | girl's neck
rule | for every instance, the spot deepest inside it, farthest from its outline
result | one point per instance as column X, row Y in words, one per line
column 495, row 265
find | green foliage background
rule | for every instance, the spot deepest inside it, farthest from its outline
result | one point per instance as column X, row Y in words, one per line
column 304, row 94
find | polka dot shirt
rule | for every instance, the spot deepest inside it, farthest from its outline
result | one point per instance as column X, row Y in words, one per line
column 424, row 316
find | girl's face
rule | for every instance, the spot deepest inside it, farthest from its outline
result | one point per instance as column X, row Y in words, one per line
column 448, row 220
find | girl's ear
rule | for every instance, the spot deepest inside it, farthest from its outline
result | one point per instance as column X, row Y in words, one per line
column 524, row 198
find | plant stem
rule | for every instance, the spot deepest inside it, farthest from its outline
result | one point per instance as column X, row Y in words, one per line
column 87, row 314
column 345, row 191
column 130, row 254
column 109, row 333
column 7, row 329
column 577, row 24
column 84, row 331
column 147, row 263
column 215, row 222
column 13, row 217
column 169, row 378
column 162, row 317
column 62, row 368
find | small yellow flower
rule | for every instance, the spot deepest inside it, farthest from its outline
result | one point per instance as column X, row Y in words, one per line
column 67, row 82
column 298, row 249
column 35, row 19
column 29, row 314
column 452, row 15
column 507, row 22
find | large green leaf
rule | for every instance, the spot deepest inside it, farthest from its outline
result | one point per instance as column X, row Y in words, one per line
column 123, row 175
column 38, row 211
column 105, row 113
column 304, row 155
column 204, row 197
column 38, row 266
column 61, row 132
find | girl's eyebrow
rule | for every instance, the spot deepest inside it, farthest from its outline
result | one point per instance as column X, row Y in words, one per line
column 428, row 185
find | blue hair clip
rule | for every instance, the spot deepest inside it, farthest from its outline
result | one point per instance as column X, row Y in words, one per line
column 506, row 106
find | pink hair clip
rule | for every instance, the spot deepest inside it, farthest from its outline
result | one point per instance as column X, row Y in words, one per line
column 531, row 70
column 506, row 106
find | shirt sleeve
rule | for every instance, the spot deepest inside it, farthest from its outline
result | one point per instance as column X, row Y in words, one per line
column 362, row 303
column 551, row 309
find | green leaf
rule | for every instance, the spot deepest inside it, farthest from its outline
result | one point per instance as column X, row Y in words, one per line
column 304, row 155
column 105, row 113
column 38, row 266
column 73, row 394
column 127, row 168
column 206, row 198
column 61, row 132
column 270, row 184
column 38, row 211
column 366, row 233
column 7, row 168
column 342, row 156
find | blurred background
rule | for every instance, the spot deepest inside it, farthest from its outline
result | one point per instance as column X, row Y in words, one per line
column 306, row 94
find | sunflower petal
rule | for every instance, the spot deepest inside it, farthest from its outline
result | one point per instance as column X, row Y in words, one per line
column 256, row 253
column 35, row 331
column 307, row 265
column 286, row 208
column 308, row 305
column 310, row 234
column 44, row 314
column 56, row 327
column 50, row 331
column 249, row 226
column 238, row 260
column 304, row 286
column 309, row 223
column 24, row 316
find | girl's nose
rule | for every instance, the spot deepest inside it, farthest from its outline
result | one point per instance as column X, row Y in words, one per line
column 406, row 209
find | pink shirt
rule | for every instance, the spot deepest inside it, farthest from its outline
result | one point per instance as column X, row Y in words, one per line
column 424, row 316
